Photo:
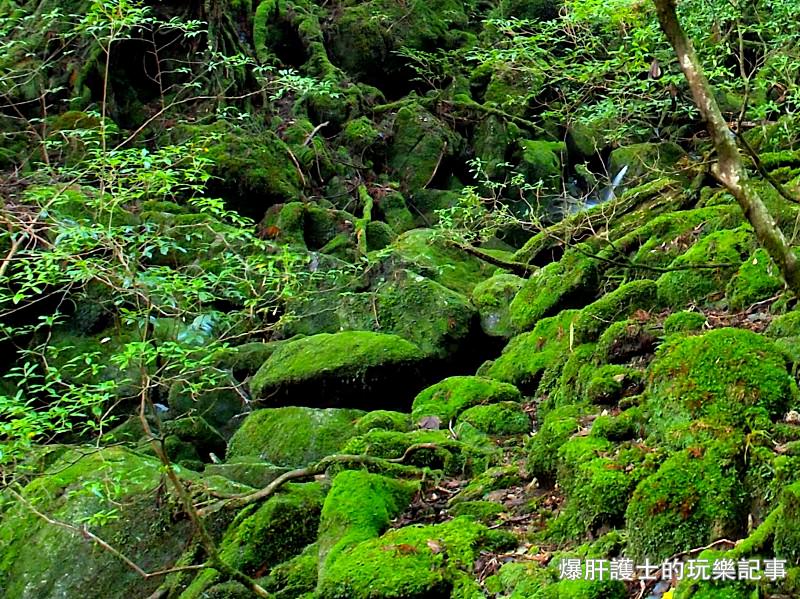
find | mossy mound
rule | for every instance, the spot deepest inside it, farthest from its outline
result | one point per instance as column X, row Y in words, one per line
column 112, row 491
column 645, row 160
column 693, row 281
column 351, row 368
column 448, row 398
column 624, row 340
column 293, row 436
column 757, row 279
column 503, row 418
column 413, row 562
column 493, row 299
column 614, row 306
column 684, row 322
column 527, row 356
column 560, row 285
column 694, row 498
column 385, row 420
column 731, row 377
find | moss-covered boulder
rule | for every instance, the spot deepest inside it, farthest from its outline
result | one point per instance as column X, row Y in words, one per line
column 565, row 284
column 617, row 305
column 684, row 321
column 555, row 430
column 503, row 418
column 731, row 377
column 413, row 562
column 448, row 398
column 351, row 368
column 624, row 340
column 493, row 299
column 757, row 279
column 527, row 356
column 293, row 436
column 384, row 420
column 420, row 144
column 645, row 160
column 263, row 536
column 541, row 162
column 359, row 507
column 693, row 280
column 112, row 492
column 694, row 498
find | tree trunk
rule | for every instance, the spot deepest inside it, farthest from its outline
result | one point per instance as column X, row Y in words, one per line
column 729, row 169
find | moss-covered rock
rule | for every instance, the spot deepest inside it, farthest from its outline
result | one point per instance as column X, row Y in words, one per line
column 293, row 436
column 383, row 420
column 732, row 377
column 493, row 298
column 785, row 325
column 504, row 418
column 610, row 383
column 541, row 161
column 558, row 426
column 758, row 278
column 111, row 491
column 413, row 562
column 614, row 306
column 560, row 285
column 694, row 281
column 684, row 322
column 694, row 498
column 624, row 340
column 350, row 368
column 645, row 160
column 527, row 356
column 450, row 397
column 420, row 144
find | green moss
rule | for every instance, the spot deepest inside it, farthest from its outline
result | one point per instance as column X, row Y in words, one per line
column 541, row 161
column 481, row 511
column 625, row 426
column 425, row 252
column 695, row 282
column 360, row 134
column 498, row 477
column 413, row 562
column 608, row 384
column 450, row 397
column 684, row 322
column 694, row 498
column 730, row 376
column 420, row 142
column 558, row 426
column 526, row 356
column 350, row 366
column 293, row 436
column 785, row 325
column 504, row 418
column 251, row 471
column 758, row 278
column 296, row 576
column 392, row 205
column 493, row 298
column 646, row 160
column 617, row 305
column 787, row 528
column 358, row 507
column 383, row 420
column 624, row 340
column 557, row 286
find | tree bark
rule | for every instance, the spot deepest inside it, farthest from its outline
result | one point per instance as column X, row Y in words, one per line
column 729, row 169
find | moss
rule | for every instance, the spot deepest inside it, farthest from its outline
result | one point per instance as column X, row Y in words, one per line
column 526, row 356
column 646, row 160
column 624, row 340
column 504, row 418
column 217, row 406
column 453, row 456
column 251, row 471
column 785, row 325
column 196, row 431
column 383, row 420
column 481, row 511
column 617, row 305
column 293, row 436
column 558, row 286
column 625, row 426
column 608, row 384
column 450, row 397
column 498, row 477
column 426, row 253
column 412, row 562
column 787, row 528
column 729, row 376
column 361, row 134
column 244, row 360
column 296, row 576
column 694, row 282
column 757, row 279
column 358, row 507
column 558, row 426
column 351, row 366
column 435, row 318
column 695, row 497
column 684, row 322
column 541, row 161
column 111, row 490
column 493, row 298
column 392, row 205
column 420, row 142
column 379, row 235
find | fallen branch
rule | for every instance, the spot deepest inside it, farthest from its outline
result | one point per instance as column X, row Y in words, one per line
column 238, row 501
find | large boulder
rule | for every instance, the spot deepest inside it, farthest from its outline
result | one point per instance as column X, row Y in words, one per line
column 293, row 436
column 347, row 369
column 447, row 399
